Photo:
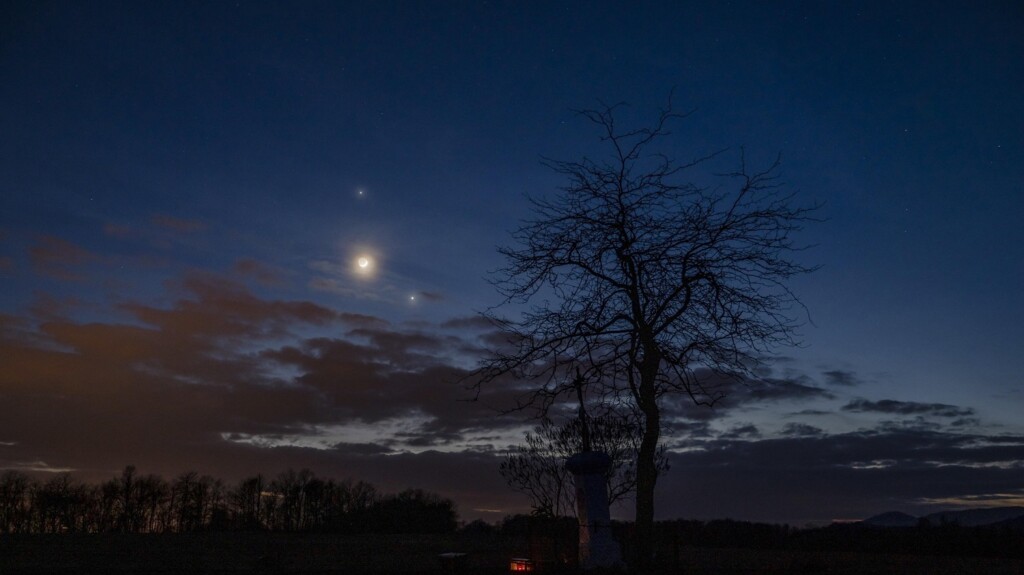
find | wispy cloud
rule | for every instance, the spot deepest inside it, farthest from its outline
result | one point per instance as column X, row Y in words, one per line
column 263, row 273
column 891, row 406
column 841, row 377
column 800, row 475
column 60, row 259
column 178, row 225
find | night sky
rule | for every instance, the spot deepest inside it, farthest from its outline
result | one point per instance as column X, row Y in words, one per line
column 186, row 188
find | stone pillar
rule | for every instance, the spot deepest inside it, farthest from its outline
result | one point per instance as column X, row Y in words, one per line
column 597, row 547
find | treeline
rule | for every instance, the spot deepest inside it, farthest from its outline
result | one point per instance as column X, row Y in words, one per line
column 292, row 501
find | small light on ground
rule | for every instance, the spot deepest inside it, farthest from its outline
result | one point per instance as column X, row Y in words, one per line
column 520, row 565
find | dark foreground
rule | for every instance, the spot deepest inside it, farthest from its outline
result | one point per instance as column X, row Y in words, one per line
column 231, row 553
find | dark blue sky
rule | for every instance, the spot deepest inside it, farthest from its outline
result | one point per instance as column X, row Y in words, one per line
column 179, row 217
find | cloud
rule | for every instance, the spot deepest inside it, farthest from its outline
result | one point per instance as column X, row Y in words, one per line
column 362, row 448
column 812, row 412
column 60, row 259
column 364, row 321
column 801, row 430
column 263, row 273
column 118, row 231
column 342, row 288
column 217, row 306
column 472, row 322
column 900, row 446
column 840, row 377
column 966, row 422
column 895, row 407
column 169, row 236
column 431, row 296
column 227, row 382
column 378, row 374
column 47, row 307
column 739, row 393
column 799, row 477
column 1012, row 498
column 219, row 372
column 748, row 431
column 784, row 389
column 99, row 395
column 685, row 431
column 66, row 261
column 34, row 466
column 177, row 225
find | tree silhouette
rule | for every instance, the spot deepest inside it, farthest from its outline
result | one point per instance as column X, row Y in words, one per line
column 14, row 503
column 294, row 501
column 247, row 498
column 646, row 282
column 537, row 467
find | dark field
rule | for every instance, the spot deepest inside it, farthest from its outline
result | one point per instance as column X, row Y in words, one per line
column 487, row 554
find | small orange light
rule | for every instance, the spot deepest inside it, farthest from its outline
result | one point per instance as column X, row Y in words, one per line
column 519, row 565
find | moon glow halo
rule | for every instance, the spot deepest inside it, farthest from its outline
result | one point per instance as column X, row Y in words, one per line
column 364, row 265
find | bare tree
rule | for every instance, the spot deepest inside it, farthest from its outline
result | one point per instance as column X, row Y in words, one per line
column 247, row 499
column 537, row 467
column 293, row 493
column 15, row 488
column 644, row 281
column 154, row 497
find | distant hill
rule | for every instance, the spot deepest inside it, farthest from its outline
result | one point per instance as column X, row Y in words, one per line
column 976, row 517
column 891, row 519
column 1015, row 523
column 1009, row 516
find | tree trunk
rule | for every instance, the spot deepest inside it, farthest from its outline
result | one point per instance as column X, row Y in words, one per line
column 646, row 468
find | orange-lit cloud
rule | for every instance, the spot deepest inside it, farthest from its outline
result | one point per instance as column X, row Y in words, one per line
column 224, row 381
column 60, row 259
column 163, row 387
column 263, row 273
column 118, row 231
column 181, row 226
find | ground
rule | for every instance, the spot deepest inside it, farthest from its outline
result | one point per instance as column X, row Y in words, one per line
column 486, row 554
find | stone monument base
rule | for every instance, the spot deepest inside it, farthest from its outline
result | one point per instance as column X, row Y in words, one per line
column 598, row 549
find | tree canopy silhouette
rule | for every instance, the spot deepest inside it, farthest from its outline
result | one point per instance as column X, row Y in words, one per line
column 537, row 467
column 294, row 501
column 646, row 283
